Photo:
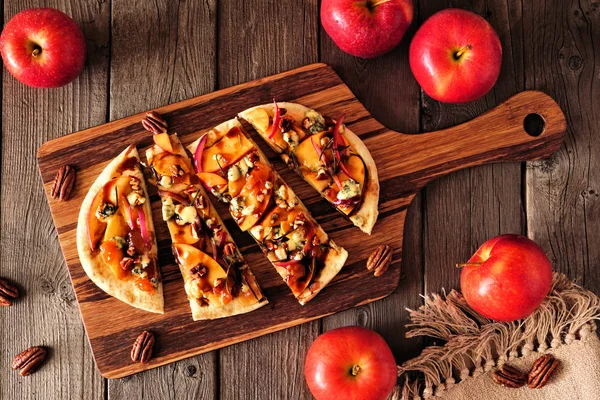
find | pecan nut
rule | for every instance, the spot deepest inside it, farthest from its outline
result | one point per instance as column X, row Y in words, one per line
column 379, row 261
column 29, row 360
column 510, row 377
column 229, row 249
column 8, row 292
column 63, row 183
column 542, row 370
column 126, row 263
column 154, row 122
column 142, row 348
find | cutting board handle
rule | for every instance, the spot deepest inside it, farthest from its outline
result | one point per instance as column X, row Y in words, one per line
column 498, row 135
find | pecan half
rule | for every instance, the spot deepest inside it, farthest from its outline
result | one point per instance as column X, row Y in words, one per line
column 4, row 302
column 154, row 122
column 199, row 270
column 509, row 377
column 542, row 370
column 142, row 348
column 29, row 360
column 379, row 260
column 63, row 183
column 126, row 263
column 8, row 292
column 229, row 249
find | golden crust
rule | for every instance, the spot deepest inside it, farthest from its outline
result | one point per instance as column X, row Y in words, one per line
column 366, row 216
column 336, row 258
column 93, row 265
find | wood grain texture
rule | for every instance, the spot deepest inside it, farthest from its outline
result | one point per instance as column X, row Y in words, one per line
column 168, row 58
column 465, row 209
column 390, row 93
column 563, row 192
column 259, row 38
column 47, row 313
column 112, row 325
column 405, row 164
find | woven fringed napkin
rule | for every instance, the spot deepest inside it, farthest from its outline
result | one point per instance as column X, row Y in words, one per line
column 563, row 325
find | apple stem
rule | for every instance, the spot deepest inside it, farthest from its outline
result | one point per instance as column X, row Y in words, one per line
column 467, row 264
column 355, row 370
column 462, row 51
column 36, row 52
column 372, row 4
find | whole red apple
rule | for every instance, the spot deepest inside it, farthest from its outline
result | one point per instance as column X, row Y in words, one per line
column 456, row 56
column 507, row 278
column 350, row 363
column 366, row 28
column 43, row 47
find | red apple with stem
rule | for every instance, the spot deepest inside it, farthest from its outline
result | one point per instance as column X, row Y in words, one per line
column 366, row 28
column 507, row 278
column 350, row 363
column 455, row 56
column 43, row 47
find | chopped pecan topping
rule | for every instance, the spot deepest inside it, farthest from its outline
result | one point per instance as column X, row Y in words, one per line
column 316, row 241
column 509, row 377
column 29, row 360
column 154, row 122
column 379, row 260
column 542, row 370
column 126, row 263
column 321, row 174
column 199, row 270
column 134, row 183
column 286, row 124
column 131, row 251
column 142, row 348
column 307, row 123
column 253, row 157
column 176, row 170
column 229, row 249
column 63, row 183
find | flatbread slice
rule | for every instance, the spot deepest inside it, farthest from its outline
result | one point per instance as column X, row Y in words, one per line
column 329, row 156
column 238, row 173
column 115, row 235
column 218, row 282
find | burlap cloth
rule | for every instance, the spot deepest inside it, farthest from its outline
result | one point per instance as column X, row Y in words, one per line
column 473, row 347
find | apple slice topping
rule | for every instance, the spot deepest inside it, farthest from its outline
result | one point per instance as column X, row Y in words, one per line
column 213, row 181
column 163, row 141
column 95, row 226
column 251, row 203
column 227, row 151
column 171, row 165
column 209, row 281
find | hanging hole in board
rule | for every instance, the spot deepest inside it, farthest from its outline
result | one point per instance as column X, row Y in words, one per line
column 534, row 124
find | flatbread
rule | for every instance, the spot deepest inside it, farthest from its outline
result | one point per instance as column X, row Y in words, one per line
column 92, row 263
column 336, row 256
column 366, row 215
column 238, row 305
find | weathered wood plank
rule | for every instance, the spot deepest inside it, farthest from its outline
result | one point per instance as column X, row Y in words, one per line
column 563, row 192
column 466, row 208
column 163, row 52
column 258, row 38
column 386, row 87
column 47, row 314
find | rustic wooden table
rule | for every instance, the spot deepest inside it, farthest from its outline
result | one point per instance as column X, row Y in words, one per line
column 144, row 54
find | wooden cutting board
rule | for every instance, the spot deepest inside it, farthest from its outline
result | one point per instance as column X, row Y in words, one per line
column 405, row 164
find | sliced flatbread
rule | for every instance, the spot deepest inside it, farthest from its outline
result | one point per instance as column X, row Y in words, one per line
column 110, row 225
column 218, row 282
column 238, row 173
column 304, row 141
